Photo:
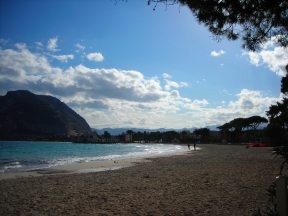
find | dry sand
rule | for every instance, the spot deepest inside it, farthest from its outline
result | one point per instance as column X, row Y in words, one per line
column 215, row 180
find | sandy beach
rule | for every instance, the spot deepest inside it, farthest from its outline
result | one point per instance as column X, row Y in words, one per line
column 214, row 180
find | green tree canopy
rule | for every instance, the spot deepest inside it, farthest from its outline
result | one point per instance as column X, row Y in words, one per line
column 252, row 21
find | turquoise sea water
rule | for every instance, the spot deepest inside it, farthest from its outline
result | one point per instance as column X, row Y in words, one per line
column 26, row 156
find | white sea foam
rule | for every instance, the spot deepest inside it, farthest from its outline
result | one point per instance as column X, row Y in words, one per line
column 13, row 165
column 46, row 155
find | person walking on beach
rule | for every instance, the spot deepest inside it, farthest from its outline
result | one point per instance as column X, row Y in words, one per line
column 194, row 145
column 189, row 146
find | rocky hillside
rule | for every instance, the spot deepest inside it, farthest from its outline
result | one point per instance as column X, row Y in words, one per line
column 22, row 112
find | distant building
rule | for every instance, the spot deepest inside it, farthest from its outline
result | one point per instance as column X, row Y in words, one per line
column 108, row 140
column 93, row 137
column 128, row 138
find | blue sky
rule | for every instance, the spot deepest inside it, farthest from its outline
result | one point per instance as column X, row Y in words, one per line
column 126, row 65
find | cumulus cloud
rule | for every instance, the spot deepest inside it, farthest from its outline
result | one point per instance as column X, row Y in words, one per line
column 215, row 54
column 172, row 84
column 249, row 103
column 63, row 58
column 89, row 91
column 15, row 65
column 196, row 104
column 275, row 58
column 95, row 57
column 32, row 69
column 52, row 44
column 175, row 94
column 104, row 97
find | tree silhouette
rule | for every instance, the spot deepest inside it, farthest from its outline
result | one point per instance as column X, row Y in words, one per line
column 203, row 132
column 284, row 82
column 254, row 121
column 279, row 113
column 106, row 134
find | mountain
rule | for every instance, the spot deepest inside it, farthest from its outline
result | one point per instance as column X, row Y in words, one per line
column 117, row 131
column 22, row 112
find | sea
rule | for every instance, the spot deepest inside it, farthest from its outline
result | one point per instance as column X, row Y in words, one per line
column 18, row 156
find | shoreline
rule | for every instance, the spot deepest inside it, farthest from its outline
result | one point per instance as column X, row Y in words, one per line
column 87, row 167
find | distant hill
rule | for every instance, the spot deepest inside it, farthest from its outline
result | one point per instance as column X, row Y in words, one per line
column 117, row 131
column 22, row 112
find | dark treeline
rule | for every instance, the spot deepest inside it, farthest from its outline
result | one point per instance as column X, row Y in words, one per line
column 243, row 130
column 235, row 131
column 184, row 136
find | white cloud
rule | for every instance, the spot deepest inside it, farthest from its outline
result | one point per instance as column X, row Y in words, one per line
column 39, row 44
column 105, row 96
column 249, row 103
column 171, row 84
column 276, row 58
column 21, row 65
column 52, row 44
column 184, row 84
column 175, row 94
column 166, row 76
column 21, row 46
column 3, row 41
column 196, row 104
column 79, row 46
column 63, row 58
column 95, row 57
column 214, row 53
column 88, row 90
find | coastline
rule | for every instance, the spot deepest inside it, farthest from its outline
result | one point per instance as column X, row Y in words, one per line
column 86, row 167
column 215, row 180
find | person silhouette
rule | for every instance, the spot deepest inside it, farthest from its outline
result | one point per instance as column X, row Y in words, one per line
column 194, row 145
column 189, row 146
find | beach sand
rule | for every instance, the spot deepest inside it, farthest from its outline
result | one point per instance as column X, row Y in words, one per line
column 214, row 180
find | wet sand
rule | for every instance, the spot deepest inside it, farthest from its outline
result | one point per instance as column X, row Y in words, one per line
column 77, row 168
column 215, row 180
